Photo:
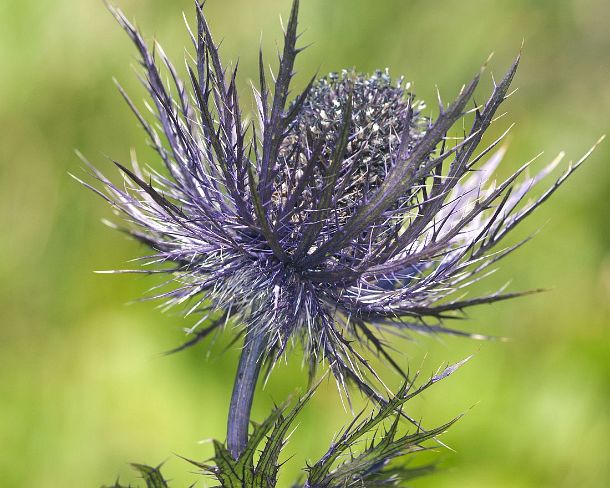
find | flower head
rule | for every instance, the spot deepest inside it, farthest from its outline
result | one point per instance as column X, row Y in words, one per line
column 340, row 214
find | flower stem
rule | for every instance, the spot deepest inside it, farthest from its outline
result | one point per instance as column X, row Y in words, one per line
column 246, row 378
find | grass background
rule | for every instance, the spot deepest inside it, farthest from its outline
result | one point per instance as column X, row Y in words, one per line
column 83, row 385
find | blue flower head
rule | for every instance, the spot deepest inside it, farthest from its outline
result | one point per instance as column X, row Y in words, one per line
column 336, row 215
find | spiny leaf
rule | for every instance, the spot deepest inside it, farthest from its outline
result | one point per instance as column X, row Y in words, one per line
column 151, row 476
column 267, row 467
column 247, row 471
column 369, row 466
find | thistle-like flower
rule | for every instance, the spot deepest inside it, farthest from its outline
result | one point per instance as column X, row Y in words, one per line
column 340, row 214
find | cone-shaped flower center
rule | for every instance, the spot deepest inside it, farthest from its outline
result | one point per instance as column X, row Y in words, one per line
column 379, row 114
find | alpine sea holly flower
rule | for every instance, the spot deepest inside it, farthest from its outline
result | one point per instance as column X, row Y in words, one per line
column 342, row 213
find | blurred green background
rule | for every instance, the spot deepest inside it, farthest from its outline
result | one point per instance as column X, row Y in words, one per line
column 84, row 387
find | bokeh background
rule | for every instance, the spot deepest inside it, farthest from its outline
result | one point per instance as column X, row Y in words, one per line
column 84, row 386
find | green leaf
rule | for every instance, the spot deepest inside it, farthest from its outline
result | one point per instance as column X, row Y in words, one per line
column 347, row 463
column 248, row 470
column 368, row 452
column 268, row 466
column 152, row 476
